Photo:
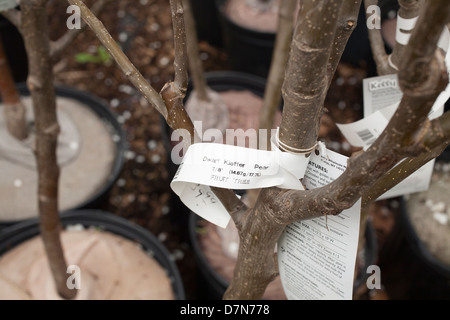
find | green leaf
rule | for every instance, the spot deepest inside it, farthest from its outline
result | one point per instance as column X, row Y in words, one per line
column 86, row 58
column 104, row 55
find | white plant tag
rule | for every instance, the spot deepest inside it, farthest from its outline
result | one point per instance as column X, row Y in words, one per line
column 7, row 4
column 231, row 167
column 316, row 258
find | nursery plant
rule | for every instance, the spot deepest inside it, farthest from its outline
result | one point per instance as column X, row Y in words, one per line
column 319, row 37
column 31, row 20
column 320, row 34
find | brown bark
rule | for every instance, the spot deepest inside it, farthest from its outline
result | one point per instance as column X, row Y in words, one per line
column 40, row 83
column 348, row 19
column 408, row 9
column 272, row 93
column 377, row 44
column 14, row 110
column 195, row 63
column 306, row 78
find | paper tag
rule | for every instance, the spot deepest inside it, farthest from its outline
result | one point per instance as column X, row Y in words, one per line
column 231, row 167
column 316, row 258
column 7, row 4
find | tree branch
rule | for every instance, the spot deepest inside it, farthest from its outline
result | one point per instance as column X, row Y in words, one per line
column 408, row 9
column 436, row 137
column 170, row 102
column 195, row 64
column 306, row 78
column 179, row 34
column 380, row 56
column 58, row 46
column 136, row 78
column 348, row 19
column 272, row 93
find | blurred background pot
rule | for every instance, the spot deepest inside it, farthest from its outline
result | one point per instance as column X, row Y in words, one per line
column 92, row 144
column 101, row 221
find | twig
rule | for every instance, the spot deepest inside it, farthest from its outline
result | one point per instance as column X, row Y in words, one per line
column 195, row 63
column 136, row 78
column 380, row 56
column 179, row 34
column 58, row 46
column 348, row 18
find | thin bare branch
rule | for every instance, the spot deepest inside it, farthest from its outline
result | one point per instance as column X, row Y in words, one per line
column 179, row 34
column 195, row 63
column 409, row 9
column 136, row 78
column 380, row 56
column 58, row 46
column 348, row 19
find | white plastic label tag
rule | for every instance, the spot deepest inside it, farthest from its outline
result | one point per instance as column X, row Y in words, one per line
column 316, row 258
column 231, row 167
column 7, row 4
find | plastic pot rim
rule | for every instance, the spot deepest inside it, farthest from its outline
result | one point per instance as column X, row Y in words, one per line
column 16, row 234
column 97, row 106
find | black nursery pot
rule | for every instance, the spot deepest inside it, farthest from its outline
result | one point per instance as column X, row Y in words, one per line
column 15, row 50
column 212, row 285
column 20, row 232
column 248, row 50
column 207, row 23
column 105, row 114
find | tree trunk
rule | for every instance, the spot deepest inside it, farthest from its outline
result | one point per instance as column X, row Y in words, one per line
column 34, row 30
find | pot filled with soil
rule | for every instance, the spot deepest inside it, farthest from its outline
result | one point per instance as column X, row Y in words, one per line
column 249, row 33
column 116, row 260
column 419, row 243
column 90, row 154
column 216, row 253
